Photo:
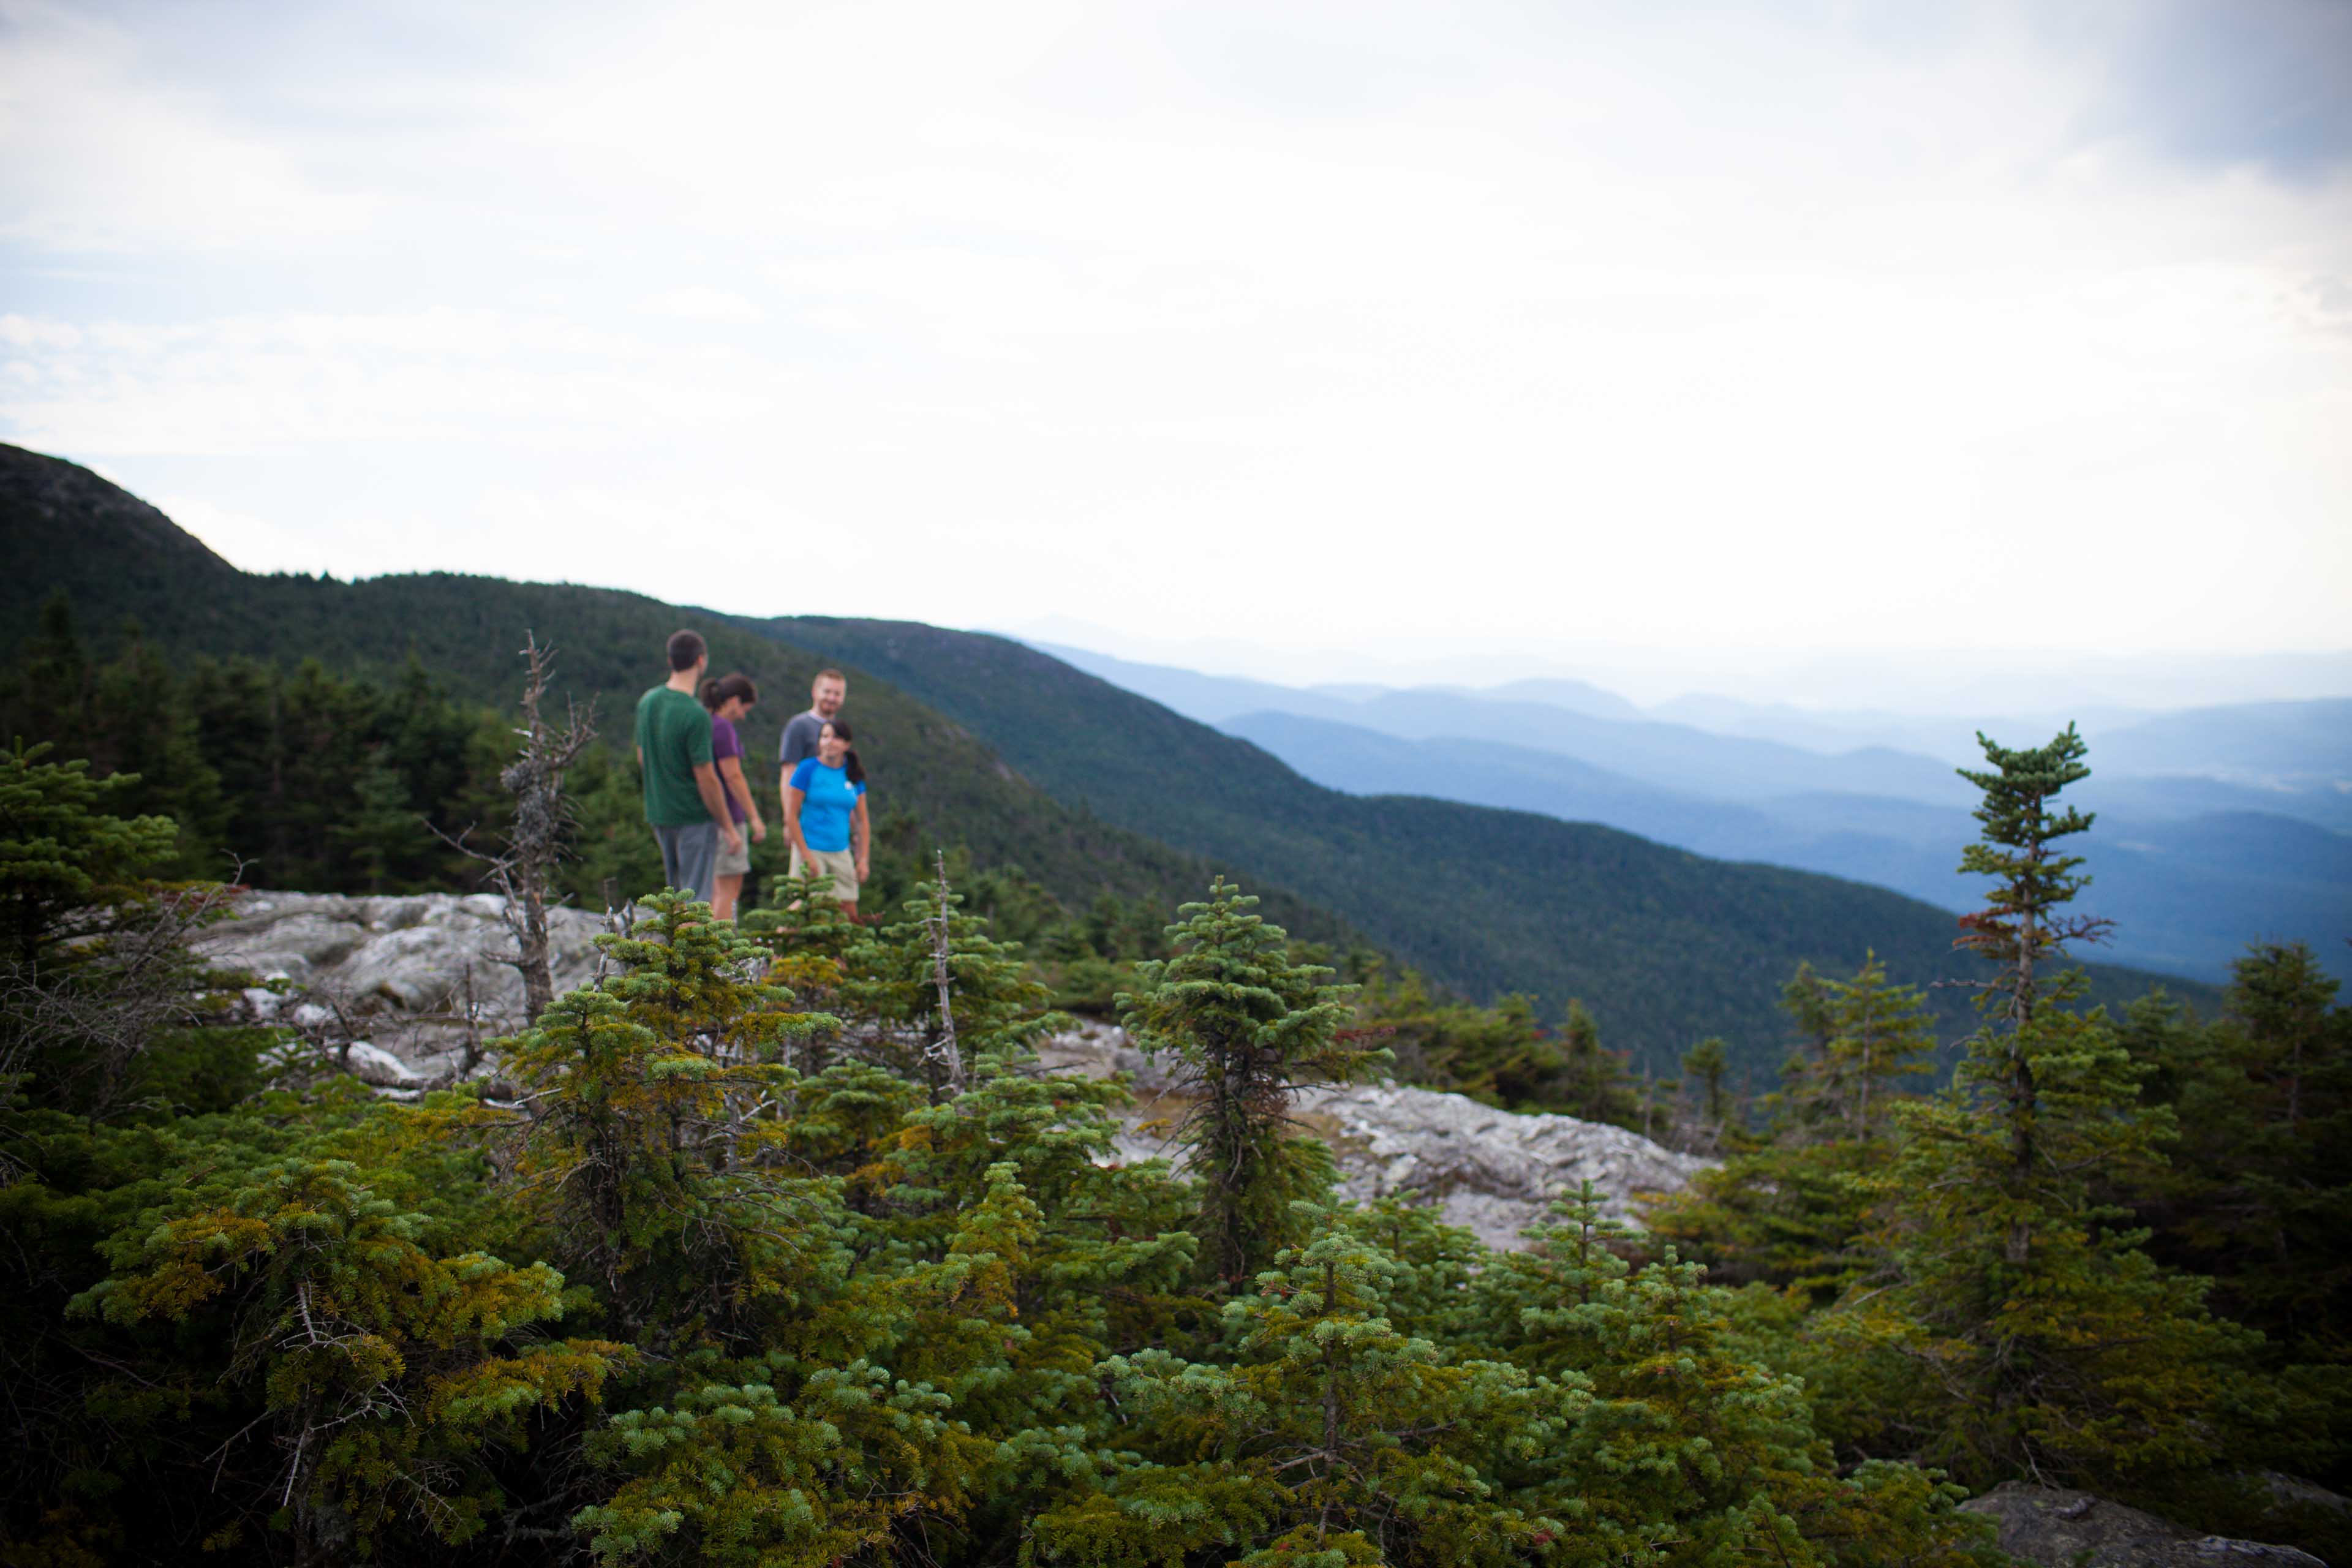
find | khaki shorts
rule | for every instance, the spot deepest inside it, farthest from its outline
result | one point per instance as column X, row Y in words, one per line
column 739, row 863
column 841, row 865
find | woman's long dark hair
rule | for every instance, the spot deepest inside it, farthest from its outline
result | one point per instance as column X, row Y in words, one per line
column 719, row 688
column 851, row 768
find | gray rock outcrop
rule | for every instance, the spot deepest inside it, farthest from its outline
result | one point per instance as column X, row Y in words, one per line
column 405, row 992
column 2065, row 1529
column 1495, row 1173
column 413, row 980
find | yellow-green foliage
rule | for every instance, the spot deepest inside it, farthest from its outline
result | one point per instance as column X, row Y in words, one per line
column 714, row 1271
column 377, row 1362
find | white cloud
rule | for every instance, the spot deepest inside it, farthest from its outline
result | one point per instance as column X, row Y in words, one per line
column 1380, row 326
column 719, row 305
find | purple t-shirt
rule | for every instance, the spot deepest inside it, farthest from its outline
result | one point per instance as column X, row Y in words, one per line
column 725, row 743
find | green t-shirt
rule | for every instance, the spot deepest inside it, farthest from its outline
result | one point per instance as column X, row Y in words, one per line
column 673, row 735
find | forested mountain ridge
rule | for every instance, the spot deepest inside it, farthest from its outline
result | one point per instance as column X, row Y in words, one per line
column 2186, row 894
column 64, row 527
column 1025, row 762
column 1664, row 945
column 2217, row 825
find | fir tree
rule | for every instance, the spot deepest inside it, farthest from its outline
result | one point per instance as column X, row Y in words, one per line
column 1594, row 1083
column 945, row 992
column 1334, row 1440
column 647, row 1145
column 1792, row 1212
column 2259, row 1194
column 1706, row 1065
column 1675, row 1449
column 2050, row 1345
column 103, row 1008
column 1247, row 1029
column 380, row 1367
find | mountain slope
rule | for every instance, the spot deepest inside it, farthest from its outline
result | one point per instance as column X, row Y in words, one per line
column 62, row 526
column 2301, row 746
column 1112, row 792
column 2187, row 895
column 1566, row 718
column 1664, row 945
column 2290, row 757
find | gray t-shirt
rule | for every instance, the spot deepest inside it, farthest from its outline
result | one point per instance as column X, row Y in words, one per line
column 800, row 739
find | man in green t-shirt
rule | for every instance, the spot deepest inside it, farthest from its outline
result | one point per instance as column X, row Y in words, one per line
column 684, row 806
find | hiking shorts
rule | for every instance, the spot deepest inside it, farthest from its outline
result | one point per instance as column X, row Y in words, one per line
column 687, row 857
column 841, row 865
column 735, row 862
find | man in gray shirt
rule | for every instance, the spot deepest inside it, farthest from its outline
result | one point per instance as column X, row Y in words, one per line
column 826, row 694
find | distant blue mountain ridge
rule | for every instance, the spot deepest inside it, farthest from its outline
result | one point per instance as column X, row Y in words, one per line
column 2217, row 827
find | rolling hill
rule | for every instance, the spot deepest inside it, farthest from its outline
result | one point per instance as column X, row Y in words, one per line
column 2218, row 826
column 1027, row 761
column 64, row 527
column 2187, row 892
column 1665, row 945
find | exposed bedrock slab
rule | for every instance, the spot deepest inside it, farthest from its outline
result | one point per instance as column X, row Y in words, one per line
column 2060, row 1528
column 1493, row 1171
column 414, row 982
column 416, row 976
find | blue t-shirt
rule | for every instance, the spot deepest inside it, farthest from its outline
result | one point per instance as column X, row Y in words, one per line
column 830, row 798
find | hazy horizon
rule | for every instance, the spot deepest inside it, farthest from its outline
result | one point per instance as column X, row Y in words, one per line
column 1923, row 682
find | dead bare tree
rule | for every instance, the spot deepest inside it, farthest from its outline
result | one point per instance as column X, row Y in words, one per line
column 943, row 1049
column 524, row 870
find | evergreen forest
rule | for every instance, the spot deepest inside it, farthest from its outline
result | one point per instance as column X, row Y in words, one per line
column 774, row 1246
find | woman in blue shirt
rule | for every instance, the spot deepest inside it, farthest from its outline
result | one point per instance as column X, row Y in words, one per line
column 825, row 815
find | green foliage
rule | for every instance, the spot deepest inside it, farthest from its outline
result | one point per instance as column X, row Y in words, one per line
column 372, row 1359
column 2258, row 1194
column 722, row 1274
column 2022, row 1328
column 996, row 1009
column 1679, row 1448
column 650, row 1157
column 1247, row 1027
column 1793, row 1211
column 1329, row 1437
column 1664, row 947
column 101, row 1009
column 1500, row 1054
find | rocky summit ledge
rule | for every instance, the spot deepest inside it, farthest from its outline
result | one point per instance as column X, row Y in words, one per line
column 406, row 991
column 2065, row 1529
column 1493, row 1173
column 404, row 988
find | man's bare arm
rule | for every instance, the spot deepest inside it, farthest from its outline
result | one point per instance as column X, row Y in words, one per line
column 714, row 801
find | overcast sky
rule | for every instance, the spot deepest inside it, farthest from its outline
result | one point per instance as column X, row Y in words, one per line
column 1728, row 330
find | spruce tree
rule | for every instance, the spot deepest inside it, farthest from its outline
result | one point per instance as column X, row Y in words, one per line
column 1793, row 1212
column 2259, row 1194
column 1594, row 1083
column 2050, row 1345
column 1247, row 1029
column 943, row 992
column 103, row 1008
column 652, row 1117
column 379, row 1367
column 1706, row 1065
column 1674, row 1448
column 1333, row 1439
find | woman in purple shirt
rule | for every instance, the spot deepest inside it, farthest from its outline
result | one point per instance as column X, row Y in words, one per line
column 728, row 698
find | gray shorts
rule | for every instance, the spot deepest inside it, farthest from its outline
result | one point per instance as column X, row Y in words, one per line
column 687, row 853
column 735, row 862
